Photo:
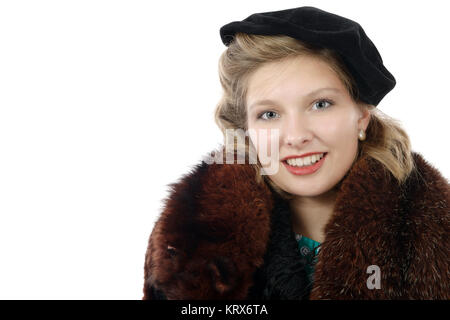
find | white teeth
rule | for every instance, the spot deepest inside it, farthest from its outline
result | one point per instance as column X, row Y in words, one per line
column 305, row 161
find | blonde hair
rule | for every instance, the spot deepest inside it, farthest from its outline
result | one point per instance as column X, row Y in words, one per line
column 386, row 142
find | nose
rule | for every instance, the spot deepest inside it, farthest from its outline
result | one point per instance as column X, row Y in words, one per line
column 296, row 132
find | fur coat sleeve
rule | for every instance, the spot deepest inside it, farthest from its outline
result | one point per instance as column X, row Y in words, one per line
column 221, row 235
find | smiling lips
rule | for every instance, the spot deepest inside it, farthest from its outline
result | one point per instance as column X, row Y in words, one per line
column 304, row 161
column 305, row 165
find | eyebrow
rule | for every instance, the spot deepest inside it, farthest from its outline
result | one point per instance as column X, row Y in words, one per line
column 314, row 92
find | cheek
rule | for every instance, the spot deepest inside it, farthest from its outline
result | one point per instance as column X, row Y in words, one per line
column 340, row 137
column 337, row 131
column 264, row 139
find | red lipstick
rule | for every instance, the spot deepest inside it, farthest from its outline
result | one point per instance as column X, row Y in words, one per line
column 302, row 155
column 306, row 169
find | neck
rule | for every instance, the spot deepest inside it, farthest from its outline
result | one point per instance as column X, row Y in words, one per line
column 311, row 214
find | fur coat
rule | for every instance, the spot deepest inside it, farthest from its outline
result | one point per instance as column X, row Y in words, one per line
column 221, row 235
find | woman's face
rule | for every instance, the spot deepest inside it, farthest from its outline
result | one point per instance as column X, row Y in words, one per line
column 308, row 120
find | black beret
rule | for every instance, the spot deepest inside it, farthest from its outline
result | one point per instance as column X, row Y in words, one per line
column 322, row 29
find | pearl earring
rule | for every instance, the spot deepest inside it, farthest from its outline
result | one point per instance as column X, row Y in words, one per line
column 362, row 135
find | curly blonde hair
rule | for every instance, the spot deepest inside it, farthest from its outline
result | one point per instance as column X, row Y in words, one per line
column 386, row 142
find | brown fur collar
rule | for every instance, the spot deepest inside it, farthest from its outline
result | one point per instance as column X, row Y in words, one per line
column 215, row 228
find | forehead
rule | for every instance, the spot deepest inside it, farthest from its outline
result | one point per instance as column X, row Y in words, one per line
column 301, row 75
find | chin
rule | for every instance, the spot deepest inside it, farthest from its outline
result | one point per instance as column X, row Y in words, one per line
column 307, row 192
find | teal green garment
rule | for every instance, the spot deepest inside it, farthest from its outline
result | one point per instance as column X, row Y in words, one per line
column 306, row 246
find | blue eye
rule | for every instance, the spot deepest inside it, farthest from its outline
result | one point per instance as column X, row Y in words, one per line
column 326, row 101
column 264, row 113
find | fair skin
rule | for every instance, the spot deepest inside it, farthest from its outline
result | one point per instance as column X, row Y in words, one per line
column 327, row 121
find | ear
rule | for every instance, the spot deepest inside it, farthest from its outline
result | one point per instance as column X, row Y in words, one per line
column 364, row 118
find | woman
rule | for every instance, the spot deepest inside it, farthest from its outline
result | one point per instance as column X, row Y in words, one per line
column 350, row 212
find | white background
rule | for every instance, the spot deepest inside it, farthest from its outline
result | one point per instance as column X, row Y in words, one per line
column 104, row 103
